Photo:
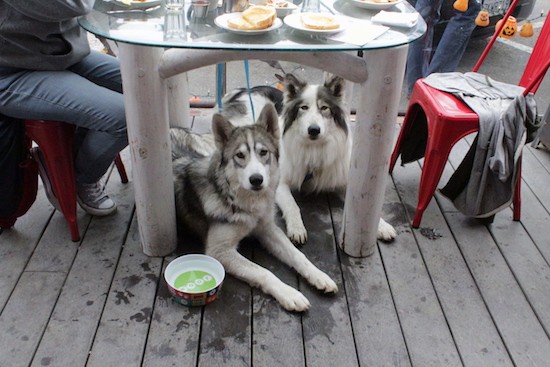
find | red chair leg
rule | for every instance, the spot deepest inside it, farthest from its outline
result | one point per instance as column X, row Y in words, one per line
column 434, row 163
column 59, row 163
column 121, row 169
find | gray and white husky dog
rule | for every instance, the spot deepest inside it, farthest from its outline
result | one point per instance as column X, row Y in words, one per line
column 228, row 194
column 315, row 145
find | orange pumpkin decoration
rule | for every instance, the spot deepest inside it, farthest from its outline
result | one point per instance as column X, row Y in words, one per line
column 510, row 28
column 526, row 29
column 482, row 19
column 461, row 5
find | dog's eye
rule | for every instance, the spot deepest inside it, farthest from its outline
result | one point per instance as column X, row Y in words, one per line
column 240, row 155
column 305, row 108
column 263, row 152
column 324, row 108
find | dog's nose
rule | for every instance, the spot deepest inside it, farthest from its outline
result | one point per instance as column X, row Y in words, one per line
column 256, row 180
column 314, row 131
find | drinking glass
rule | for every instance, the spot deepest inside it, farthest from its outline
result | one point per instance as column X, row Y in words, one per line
column 311, row 6
column 174, row 26
column 174, row 5
column 199, row 9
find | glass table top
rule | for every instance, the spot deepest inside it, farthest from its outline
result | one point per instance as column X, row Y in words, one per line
column 155, row 26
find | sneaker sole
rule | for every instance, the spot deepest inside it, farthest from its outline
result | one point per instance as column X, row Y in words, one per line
column 37, row 155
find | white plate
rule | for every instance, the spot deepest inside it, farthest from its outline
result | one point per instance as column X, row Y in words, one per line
column 221, row 22
column 138, row 4
column 295, row 21
column 369, row 4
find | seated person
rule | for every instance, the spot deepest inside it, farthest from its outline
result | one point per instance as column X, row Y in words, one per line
column 48, row 72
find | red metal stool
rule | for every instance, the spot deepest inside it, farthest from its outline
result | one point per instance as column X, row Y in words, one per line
column 55, row 140
column 448, row 120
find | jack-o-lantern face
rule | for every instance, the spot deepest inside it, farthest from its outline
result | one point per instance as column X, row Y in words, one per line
column 482, row 19
column 510, row 28
column 483, row 16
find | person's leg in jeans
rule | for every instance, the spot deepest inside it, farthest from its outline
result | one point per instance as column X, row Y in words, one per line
column 451, row 47
column 454, row 40
column 102, row 70
column 87, row 96
column 420, row 51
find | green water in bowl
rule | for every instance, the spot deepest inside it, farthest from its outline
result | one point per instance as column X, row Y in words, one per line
column 195, row 281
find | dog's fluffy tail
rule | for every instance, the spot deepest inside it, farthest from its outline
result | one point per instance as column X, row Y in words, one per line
column 186, row 143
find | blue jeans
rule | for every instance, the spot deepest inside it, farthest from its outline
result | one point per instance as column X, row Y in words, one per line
column 88, row 95
column 451, row 47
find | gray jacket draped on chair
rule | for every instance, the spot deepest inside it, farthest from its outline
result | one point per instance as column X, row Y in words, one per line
column 484, row 182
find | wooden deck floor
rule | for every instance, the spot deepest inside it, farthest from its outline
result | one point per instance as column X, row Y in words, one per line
column 453, row 293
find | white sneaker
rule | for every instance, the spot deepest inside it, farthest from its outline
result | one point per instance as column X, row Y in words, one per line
column 93, row 199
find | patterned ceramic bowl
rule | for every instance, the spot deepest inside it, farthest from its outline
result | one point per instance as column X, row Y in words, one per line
column 194, row 280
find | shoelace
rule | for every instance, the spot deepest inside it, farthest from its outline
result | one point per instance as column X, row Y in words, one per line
column 95, row 193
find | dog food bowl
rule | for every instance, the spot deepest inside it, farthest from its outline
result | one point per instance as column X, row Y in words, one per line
column 194, row 280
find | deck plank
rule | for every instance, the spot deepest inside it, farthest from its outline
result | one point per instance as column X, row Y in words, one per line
column 173, row 338
column 46, row 269
column 535, row 194
column 277, row 334
column 26, row 314
column 74, row 320
column 474, row 333
column 376, row 328
column 18, row 244
column 519, row 326
column 122, row 333
column 226, row 334
column 425, row 329
column 327, row 327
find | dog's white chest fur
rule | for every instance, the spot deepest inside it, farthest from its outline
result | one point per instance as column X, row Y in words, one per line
column 316, row 167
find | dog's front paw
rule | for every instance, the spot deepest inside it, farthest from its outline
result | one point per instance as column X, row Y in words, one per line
column 323, row 282
column 296, row 232
column 386, row 232
column 292, row 300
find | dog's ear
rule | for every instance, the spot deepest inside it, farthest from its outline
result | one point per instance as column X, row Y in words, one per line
column 293, row 85
column 221, row 128
column 335, row 84
column 270, row 120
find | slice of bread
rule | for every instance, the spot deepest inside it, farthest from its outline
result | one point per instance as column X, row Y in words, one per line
column 240, row 23
column 319, row 21
column 260, row 16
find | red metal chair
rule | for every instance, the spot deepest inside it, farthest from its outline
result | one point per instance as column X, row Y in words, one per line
column 55, row 140
column 448, row 119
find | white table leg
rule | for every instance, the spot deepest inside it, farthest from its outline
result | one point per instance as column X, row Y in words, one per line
column 372, row 145
column 145, row 96
column 178, row 101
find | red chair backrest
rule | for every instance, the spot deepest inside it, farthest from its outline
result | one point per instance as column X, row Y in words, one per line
column 539, row 61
